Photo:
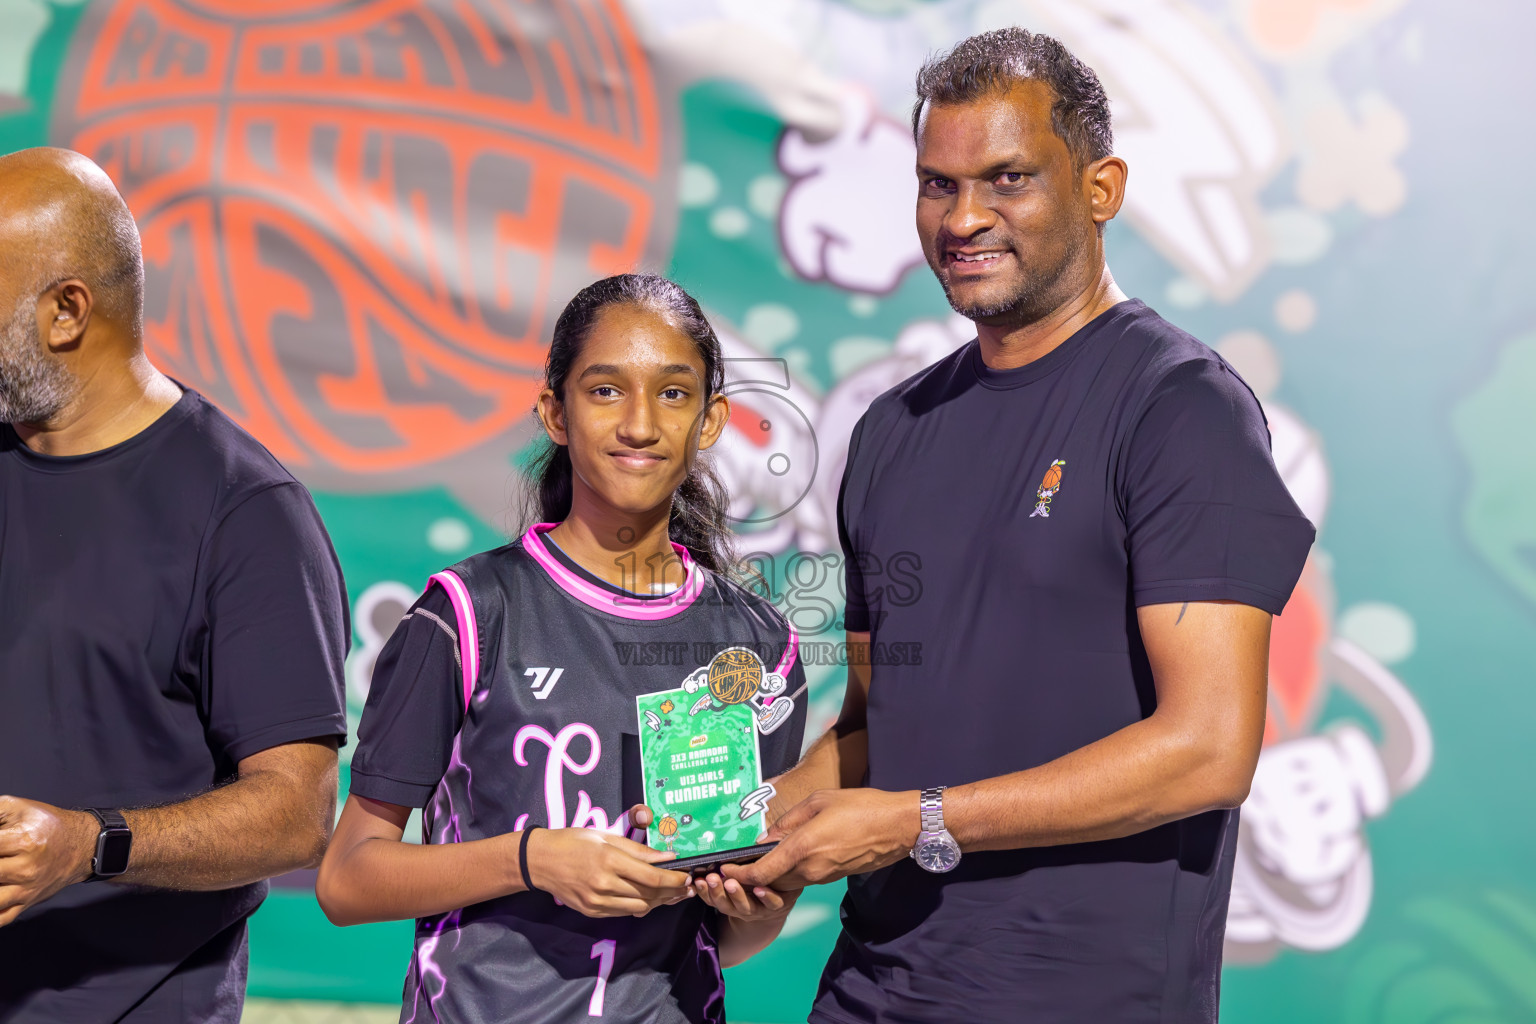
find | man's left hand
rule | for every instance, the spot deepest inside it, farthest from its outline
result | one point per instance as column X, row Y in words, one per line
column 834, row 833
column 42, row 849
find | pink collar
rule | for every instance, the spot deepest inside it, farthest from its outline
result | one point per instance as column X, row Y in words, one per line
column 607, row 601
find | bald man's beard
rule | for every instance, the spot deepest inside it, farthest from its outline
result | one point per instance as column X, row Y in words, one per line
column 34, row 386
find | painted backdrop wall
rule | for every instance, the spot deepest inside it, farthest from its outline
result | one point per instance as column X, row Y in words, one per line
column 361, row 217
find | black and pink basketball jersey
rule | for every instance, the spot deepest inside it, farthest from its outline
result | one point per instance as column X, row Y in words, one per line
column 551, row 662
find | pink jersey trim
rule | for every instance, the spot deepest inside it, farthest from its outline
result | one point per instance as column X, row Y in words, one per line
column 648, row 609
column 791, row 652
column 469, row 630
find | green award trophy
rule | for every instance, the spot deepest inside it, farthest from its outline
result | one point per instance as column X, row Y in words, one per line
column 699, row 756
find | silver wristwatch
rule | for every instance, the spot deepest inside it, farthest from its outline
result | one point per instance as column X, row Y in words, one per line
column 936, row 849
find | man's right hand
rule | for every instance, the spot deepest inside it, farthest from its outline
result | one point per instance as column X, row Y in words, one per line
column 603, row 875
column 42, row 849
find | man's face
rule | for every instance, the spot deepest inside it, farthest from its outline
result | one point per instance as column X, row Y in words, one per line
column 35, row 385
column 1003, row 216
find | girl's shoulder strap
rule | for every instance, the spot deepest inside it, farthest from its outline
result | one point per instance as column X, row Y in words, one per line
column 482, row 582
column 469, row 629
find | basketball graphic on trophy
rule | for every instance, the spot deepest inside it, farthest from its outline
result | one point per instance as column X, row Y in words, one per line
column 667, row 826
column 736, row 676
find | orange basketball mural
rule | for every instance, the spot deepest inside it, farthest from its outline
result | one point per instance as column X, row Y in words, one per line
column 359, row 220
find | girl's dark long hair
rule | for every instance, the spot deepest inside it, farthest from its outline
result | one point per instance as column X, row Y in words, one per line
column 698, row 520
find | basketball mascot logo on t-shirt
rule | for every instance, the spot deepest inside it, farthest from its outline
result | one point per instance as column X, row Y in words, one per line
column 1049, row 485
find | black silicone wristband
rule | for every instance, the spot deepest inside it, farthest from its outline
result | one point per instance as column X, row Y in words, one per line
column 522, row 858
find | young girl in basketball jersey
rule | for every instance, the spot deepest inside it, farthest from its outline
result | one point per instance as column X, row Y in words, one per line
column 504, row 706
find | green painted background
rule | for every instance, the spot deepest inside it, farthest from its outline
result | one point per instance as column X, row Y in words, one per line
column 1418, row 374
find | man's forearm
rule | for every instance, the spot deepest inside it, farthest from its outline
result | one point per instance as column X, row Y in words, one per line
column 1142, row 776
column 251, row 829
column 1196, row 752
column 839, row 759
column 835, row 761
column 276, row 816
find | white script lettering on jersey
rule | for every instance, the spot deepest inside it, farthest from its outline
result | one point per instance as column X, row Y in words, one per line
column 542, row 686
column 555, row 766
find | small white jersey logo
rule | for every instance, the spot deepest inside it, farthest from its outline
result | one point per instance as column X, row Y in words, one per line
column 544, row 680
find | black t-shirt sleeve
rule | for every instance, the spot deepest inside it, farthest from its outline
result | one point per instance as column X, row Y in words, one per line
column 856, row 604
column 414, row 709
column 1207, row 516
column 278, row 630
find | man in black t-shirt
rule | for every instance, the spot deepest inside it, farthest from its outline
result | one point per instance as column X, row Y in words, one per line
column 1102, row 540
column 171, row 641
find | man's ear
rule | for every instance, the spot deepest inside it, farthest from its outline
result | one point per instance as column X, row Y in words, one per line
column 716, row 416
column 551, row 413
column 64, row 312
column 1105, row 179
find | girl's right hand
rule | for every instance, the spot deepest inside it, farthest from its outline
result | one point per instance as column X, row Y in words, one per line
column 603, row 875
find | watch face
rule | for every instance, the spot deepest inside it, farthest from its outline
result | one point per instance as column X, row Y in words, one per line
column 112, row 847
column 938, row 854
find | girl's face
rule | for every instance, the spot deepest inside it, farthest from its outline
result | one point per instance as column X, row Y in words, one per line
column 636, row 411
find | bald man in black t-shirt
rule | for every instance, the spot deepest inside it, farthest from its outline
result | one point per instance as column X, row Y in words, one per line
column 171, row 643
column 1102, row 540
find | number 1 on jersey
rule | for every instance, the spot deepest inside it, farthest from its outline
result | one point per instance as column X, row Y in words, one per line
column 602, row 952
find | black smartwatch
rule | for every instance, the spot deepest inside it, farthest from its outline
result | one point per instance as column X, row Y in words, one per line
column 113, row 844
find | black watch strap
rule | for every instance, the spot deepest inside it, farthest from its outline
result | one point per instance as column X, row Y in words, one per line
column 113, row 844
column 109, row 818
